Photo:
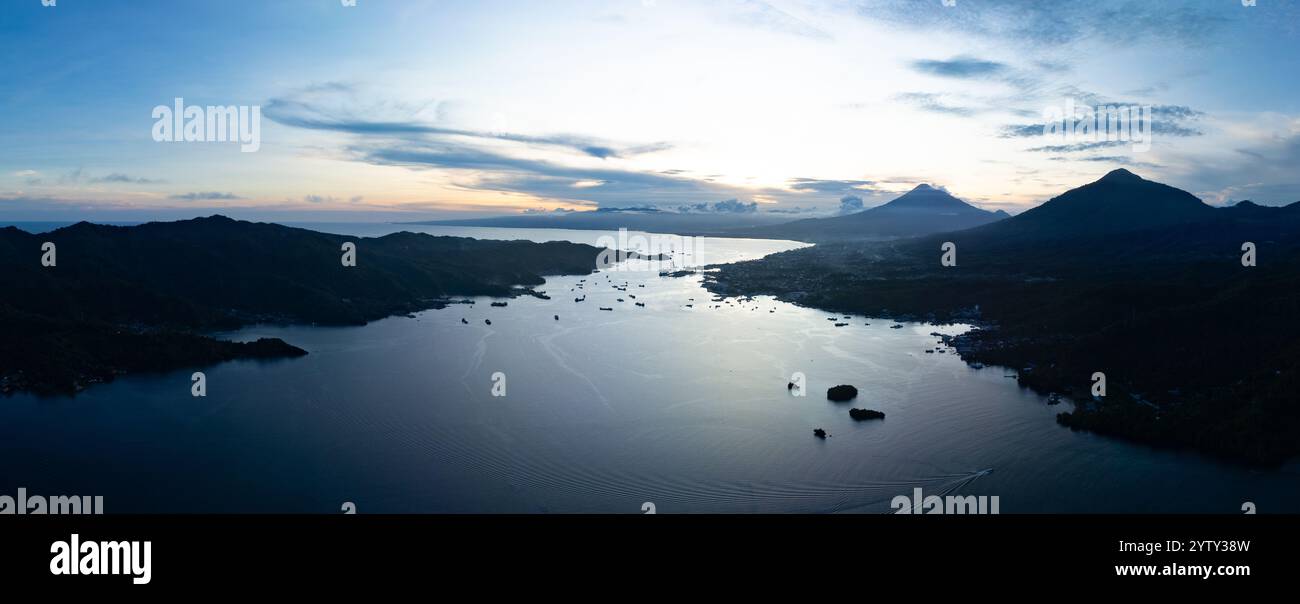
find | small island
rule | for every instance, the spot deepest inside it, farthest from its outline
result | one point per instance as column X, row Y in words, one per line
column 841, row 393
column 865, row 414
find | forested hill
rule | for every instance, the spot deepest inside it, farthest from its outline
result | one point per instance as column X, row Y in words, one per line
column 1131, row 278
column 121, row 299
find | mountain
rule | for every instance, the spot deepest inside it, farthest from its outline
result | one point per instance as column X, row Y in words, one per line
column 1119, row 202
column 1120, row 220
column 123, row 299
column 921, row 211
column 1132, row 278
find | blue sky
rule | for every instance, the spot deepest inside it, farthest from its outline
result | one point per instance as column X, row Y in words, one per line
column 409, row 109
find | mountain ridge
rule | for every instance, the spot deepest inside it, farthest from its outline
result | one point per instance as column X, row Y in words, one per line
column 921, row 211
column 1196, row 346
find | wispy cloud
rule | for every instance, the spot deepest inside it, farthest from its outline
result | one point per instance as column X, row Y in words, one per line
column 500, row 172
column 830, row 186
column 308, row 110
column 757, row 13
column 960, row 67
column 328, row 199
column 1034, row 22
column 1073, row 147
column 1122, row 160
column 205, row 196
column 1166, row 120
column 118, row 177
column 730, row 206
column 80, row 176
column 935, row 103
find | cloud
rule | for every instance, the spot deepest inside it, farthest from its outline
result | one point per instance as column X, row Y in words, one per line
column 1169, row 120
column 960, row 67
column 1278, row 194
column 311, row 110
column 79, row 175
column 1166, row 121
column 205, row 196
column 757, row 13
column 1038, row 23
column 1262, row 170
column 1073, row 147
column 850, row 204
column 730, row 206
column 817, row 185
column 313, row 198
column 118, row 177
column 795, row 210
column 1122, row 160
column 31, row 177
column 499, row 172
column 1022, row 130
column 468, row 160
column 934, row 103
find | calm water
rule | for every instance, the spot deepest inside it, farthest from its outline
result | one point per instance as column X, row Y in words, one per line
column 685, row 407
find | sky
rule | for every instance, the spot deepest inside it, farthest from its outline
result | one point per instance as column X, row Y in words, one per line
column 412, row 109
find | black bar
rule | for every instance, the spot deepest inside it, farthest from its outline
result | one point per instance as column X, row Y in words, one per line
column 381, row 550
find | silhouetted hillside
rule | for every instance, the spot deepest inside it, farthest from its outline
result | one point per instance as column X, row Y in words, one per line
column 129, row 298
column 1124, row 276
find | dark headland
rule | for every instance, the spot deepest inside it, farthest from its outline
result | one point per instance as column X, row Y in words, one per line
column 1132, row 278
column 140, row 298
